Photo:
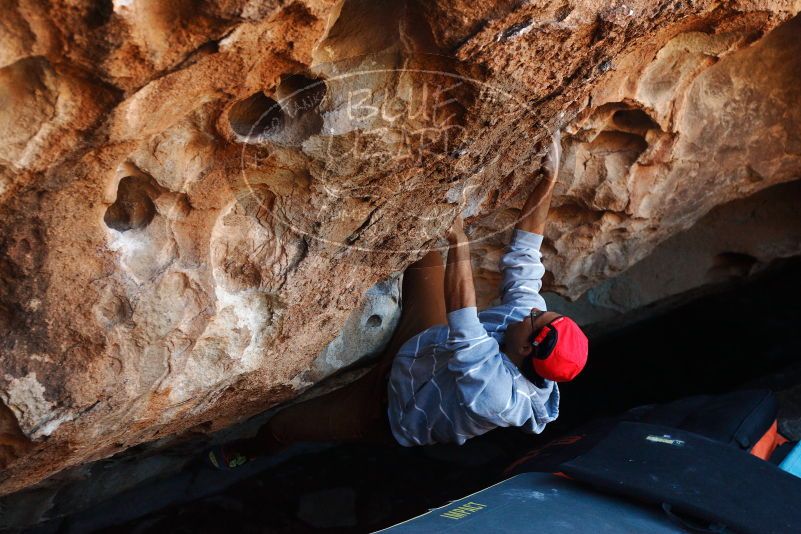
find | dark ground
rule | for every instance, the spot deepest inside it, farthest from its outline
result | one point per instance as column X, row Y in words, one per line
column 747, row 335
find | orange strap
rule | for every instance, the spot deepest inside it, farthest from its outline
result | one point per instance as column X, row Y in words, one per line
column 768, row 442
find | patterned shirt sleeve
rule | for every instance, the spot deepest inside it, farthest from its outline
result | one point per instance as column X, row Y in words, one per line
column 522, row 271
column 487, row 387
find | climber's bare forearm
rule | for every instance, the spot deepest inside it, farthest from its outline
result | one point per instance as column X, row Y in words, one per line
column 459, row 289
column 535, row 210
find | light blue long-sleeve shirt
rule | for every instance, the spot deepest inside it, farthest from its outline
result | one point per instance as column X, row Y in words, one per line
column 452, row 382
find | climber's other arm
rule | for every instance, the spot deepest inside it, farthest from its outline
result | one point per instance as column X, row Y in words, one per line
column 535, row 210
column 459, row 290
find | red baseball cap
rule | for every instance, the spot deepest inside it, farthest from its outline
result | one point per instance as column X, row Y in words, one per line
column 569, row 353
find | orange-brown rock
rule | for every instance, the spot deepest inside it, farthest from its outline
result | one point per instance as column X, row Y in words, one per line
column 194, row 196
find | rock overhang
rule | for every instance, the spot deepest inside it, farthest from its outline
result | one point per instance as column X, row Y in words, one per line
column 190, row 216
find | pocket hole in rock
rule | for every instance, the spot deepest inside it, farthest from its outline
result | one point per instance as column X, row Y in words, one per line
column 300, row 98
column 256, row 116
column 289, row 118
column 634, row 120
column 304, row 93
column 374, row 321
column 134, row 207
column 728, row 265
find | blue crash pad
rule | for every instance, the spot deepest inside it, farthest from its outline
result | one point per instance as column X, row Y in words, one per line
column 540, row 502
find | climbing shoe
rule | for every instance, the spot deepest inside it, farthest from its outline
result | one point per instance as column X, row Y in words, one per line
column 220, row 457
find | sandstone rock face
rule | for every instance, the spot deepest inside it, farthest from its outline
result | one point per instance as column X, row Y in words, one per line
column 733, row 241
column 195, row 196
column 668, row 137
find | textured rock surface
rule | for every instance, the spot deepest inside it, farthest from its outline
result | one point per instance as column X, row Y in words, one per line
column 667, row 138
column 363, row 335
column 195, row 196
column 731, row 242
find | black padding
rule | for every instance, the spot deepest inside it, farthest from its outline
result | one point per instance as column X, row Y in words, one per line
column 739, row 418
column 694, row 475
column 781, row 452
column 550, row 457
column 710, row 476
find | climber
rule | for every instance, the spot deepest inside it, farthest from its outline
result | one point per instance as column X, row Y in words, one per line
column 449, row 373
